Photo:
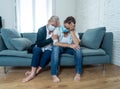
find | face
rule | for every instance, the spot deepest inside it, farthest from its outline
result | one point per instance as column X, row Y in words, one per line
column 67, row 26
column 53, row 23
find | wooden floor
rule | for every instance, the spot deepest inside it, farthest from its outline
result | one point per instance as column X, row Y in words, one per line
column 92, row 78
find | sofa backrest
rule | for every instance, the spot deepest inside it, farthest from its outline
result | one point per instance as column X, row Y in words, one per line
column 30, row 36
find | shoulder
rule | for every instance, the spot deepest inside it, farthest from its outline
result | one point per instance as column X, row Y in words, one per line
column 57, row 31
column 42, row 29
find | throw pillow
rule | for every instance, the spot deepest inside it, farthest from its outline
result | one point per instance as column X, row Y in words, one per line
column 7, row 34
column 21, row 43
column 92, row 38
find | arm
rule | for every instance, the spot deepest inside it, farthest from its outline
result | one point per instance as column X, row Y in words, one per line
column 41, row 38
column 74, row 38
column 62, row 44
column 73, row 46
column 70, row 45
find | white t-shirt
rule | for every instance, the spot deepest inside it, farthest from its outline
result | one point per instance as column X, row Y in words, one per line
column 62, row 39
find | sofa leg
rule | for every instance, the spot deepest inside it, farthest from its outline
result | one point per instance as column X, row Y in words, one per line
column 58, row 68
column 104, row 68
column 5, row 69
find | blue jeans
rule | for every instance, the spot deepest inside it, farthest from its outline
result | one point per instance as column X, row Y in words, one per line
column 55, row 58
column 40, row 58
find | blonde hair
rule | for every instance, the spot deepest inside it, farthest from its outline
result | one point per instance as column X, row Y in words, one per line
column 56, row 19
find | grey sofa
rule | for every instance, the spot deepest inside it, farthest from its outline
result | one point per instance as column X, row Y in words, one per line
column 102, row 55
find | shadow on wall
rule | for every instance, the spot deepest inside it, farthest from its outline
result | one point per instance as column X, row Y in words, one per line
column 0, row 23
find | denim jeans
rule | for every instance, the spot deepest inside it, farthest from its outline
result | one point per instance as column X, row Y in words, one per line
column 40, row 58
column 55, row 58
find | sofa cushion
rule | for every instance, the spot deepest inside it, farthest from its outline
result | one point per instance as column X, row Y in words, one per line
column 7, row 34
column 24, row 54
column 92, row 52
column 15, row 53
column 88, row 52
column 30, row 36
column 20, row 43
column 92, row 38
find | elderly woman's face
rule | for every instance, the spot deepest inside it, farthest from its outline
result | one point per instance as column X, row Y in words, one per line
column 54, row 23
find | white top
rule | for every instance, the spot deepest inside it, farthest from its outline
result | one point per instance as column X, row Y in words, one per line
column 49, row 46
column 63, row 39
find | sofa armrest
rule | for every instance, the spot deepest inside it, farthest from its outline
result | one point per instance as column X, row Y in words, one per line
column 107, row 44
column 2, row 44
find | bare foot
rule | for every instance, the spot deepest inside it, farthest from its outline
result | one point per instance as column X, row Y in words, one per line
column 38, row 70
column 77, row 77
column 55, row 79
column 27, row 73
column 28, row 78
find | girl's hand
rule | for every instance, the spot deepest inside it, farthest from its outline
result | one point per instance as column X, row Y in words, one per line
column 74, row 46
column 72, row 26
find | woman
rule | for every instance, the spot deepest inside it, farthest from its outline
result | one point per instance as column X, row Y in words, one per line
column 42, row 49
column 68, row 43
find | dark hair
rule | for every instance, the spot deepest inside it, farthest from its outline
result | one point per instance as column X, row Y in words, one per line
column 69, row 20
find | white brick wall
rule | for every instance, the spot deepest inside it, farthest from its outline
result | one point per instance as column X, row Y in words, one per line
column 95, row 13
column 64, row 8
column 112, row 22
column 87, row 14
column 7, row 12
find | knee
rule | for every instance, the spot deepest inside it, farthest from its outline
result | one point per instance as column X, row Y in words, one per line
column 77, row 51
column 56, row 48
column 55, row 51
column 37, row 49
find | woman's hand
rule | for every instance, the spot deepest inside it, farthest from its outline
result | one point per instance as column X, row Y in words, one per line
column 72, row 26
column 54, row 37
column 74, row 46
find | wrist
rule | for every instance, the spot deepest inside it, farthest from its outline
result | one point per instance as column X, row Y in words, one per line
column 69, row 45
column 54, row 41
column 71, row 29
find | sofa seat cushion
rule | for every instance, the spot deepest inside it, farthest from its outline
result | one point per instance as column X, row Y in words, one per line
column 24, row 54
column 15, row 53
column 88, row 52
column 92, row 52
